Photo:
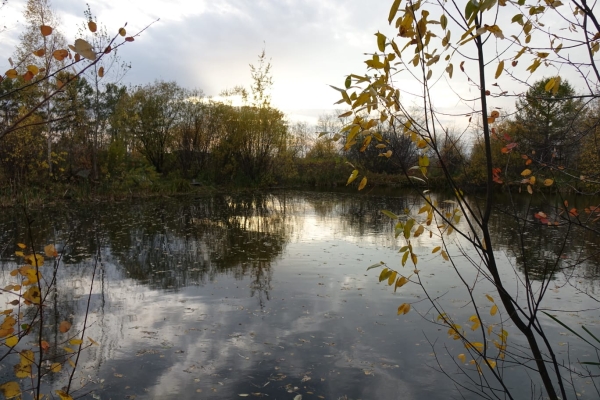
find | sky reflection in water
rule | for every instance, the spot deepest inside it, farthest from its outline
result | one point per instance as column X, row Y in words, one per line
column 264, row 295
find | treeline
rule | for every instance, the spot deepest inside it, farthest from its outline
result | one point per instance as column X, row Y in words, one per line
column 114, row 138
column 123, row 138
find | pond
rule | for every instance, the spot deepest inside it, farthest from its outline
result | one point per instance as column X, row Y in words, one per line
column 268, row 295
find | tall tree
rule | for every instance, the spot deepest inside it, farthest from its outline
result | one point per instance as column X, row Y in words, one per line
column 151, row 115
column 39, row 13
column 547, row 123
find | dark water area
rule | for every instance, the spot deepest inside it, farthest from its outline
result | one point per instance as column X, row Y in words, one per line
column 268, row 295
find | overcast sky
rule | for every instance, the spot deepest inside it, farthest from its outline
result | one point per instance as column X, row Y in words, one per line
column 209, row 44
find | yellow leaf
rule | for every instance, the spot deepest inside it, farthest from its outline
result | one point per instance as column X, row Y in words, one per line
column 490, row 298
column 435, row 250
column 445, row 256
column 419, row 231
column 392, row 278
column 380, row 41
column 68, row 349
column 352, row 177
column 92, row 26
column 363, row 183
column 46, row 30
column 404, row 308
column 22, row 371
column 9, row 322
column 491, row 363
column 529, row 189
column 462, row 358
column 474, row 345
column 526, row 172
column 122, row 31
column 75, row 342
column 92, row 341
column 400, row 282
column 494, row 310
column 21, row 245
column 64, row 395
column 384, row 274
column 500, row 69
column 50, row 250
column 32, row 295
column 404, row 258
column 548, row 182
column 10, row 390
column 56, row 367
column 394, row 10
column 27, row 357
column 550, row 84
column 12, row 341
column 33, row 69
column 39, row 53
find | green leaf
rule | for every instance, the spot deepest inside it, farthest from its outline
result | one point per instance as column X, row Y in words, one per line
column 394, row 10
column 348, row 82
column 499, row 69
column 380, row 41
column 518, row 18
column 389, row 214
column 379, row 264
column 444, row 21
column 407, row 228
column 470, row 10
column 384, row 274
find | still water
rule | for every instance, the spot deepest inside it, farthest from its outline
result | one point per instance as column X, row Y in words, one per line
column 268, row 295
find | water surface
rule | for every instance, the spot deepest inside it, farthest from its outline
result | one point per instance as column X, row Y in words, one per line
column 267, row 295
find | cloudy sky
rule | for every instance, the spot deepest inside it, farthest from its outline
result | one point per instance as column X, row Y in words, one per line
column 208, row 44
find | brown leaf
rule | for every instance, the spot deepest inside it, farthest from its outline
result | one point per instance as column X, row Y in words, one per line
column 46, row 30
column 64, row 326
column 60, row 55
